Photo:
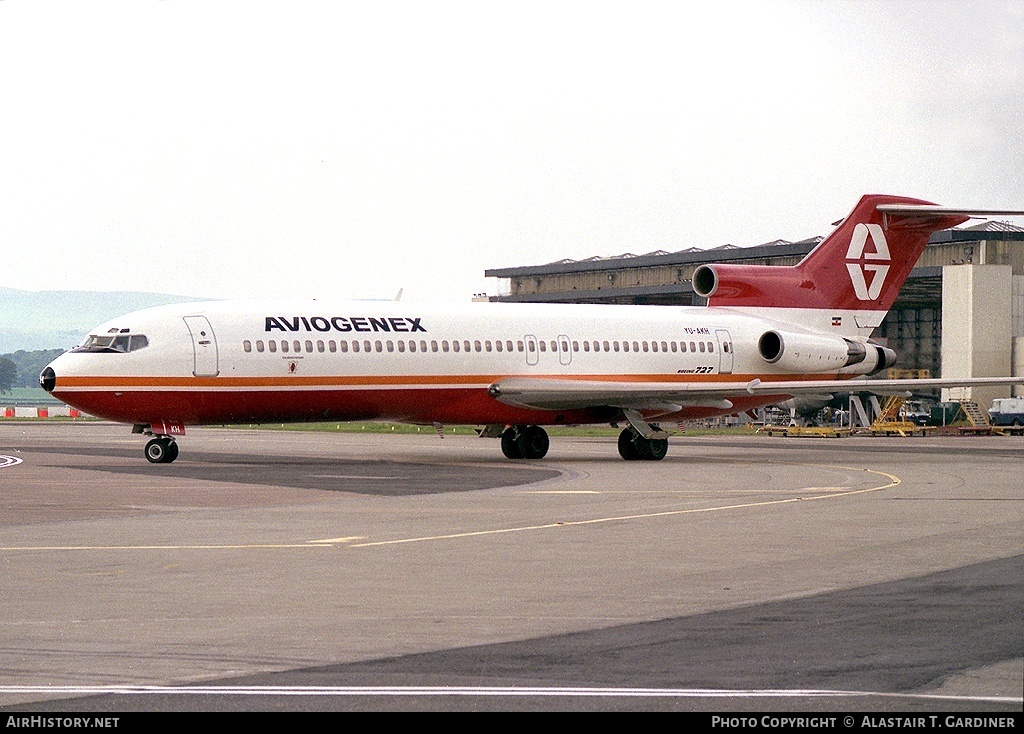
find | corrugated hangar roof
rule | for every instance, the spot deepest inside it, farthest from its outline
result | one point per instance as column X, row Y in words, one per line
column 776, row 248
column 726, row 253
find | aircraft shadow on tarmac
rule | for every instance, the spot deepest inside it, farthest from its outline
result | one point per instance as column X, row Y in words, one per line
column 370, row 477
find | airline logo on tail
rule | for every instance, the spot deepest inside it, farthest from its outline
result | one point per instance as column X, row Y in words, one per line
column 875, row 262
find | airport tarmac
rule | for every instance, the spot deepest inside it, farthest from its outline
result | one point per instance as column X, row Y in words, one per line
column 272, row 570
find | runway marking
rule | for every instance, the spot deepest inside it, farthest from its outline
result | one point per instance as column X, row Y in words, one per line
column 568, row 491
column 6, row 461
column 331, row 543
column 505, row 691
column 893, row 481
column 325, row 543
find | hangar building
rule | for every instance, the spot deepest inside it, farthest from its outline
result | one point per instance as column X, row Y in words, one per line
column 960, row 313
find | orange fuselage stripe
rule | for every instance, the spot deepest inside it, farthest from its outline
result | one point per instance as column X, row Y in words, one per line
column 393, row 380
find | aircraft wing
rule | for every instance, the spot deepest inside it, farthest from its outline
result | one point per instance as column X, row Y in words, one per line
column 669, row 397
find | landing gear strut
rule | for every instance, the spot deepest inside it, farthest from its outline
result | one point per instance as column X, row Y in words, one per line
column 162, row 450
column 524, row 442
column 634, row 447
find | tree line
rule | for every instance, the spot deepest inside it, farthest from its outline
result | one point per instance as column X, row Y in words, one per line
column 21, row 368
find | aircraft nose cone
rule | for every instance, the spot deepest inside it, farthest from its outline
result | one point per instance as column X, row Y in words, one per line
column 48, row 379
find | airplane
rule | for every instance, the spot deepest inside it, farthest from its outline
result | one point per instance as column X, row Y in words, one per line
column 767, row 334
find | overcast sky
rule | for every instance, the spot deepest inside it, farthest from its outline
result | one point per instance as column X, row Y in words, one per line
column 346, row 150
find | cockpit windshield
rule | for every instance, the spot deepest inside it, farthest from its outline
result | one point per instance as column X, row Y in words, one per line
column 119, row 343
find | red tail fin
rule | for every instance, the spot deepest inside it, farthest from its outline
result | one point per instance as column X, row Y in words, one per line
column 861, row 266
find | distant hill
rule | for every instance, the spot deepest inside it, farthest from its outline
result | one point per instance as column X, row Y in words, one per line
column 33, row 320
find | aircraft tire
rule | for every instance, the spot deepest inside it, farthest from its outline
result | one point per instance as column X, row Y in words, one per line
column 656, row 449
column 510, row 443
column 533, row 442
column 634, row 447
column 161, row 451
column 628, row 449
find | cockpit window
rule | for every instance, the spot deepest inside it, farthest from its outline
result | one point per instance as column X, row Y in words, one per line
column 120, row 343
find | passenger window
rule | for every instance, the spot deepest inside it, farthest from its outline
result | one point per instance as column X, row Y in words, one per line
column 444, row 345
column 320, row 347
column 284, row 346
column 273, row 345
column 693, row 347
column 259, row 346
column 701, row 346
column 477, row 346
column 586, row 346
column 487, row 345
column 644, row 345
column 355, row 346
column 625, row 346
column 711, row 347
column 342, row 345
column 543, row 346
column 519, row 346
column 674, row 346
column 423, row 346
column 379, row 346
column 455, row 345
column 497, row 345
column 391, row 346
column 401, row 345
column 366, row 345
column 296, row 346
column 309, row 346
column 247, row 345
column 615, row 346
column 508, row 345
column 606, row 347
column 465, row 345
column 412, row 345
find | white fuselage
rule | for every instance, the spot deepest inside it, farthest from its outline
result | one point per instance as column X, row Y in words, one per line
column 262, row 361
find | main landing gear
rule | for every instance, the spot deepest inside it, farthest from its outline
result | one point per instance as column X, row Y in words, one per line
column 162, row 450
column 634, row 447
column 524, row 442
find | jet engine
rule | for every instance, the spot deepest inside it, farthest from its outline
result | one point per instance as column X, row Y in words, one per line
column 814, row 353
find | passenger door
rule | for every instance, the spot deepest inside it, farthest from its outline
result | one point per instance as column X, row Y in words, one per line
column 204, row 346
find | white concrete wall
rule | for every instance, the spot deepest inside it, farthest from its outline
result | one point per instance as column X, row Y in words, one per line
column 1018, row 331
column 1018, row 306
column 977, row 336
column 1018, row 365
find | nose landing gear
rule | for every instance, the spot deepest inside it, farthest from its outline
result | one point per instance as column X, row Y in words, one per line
column 162, row 450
